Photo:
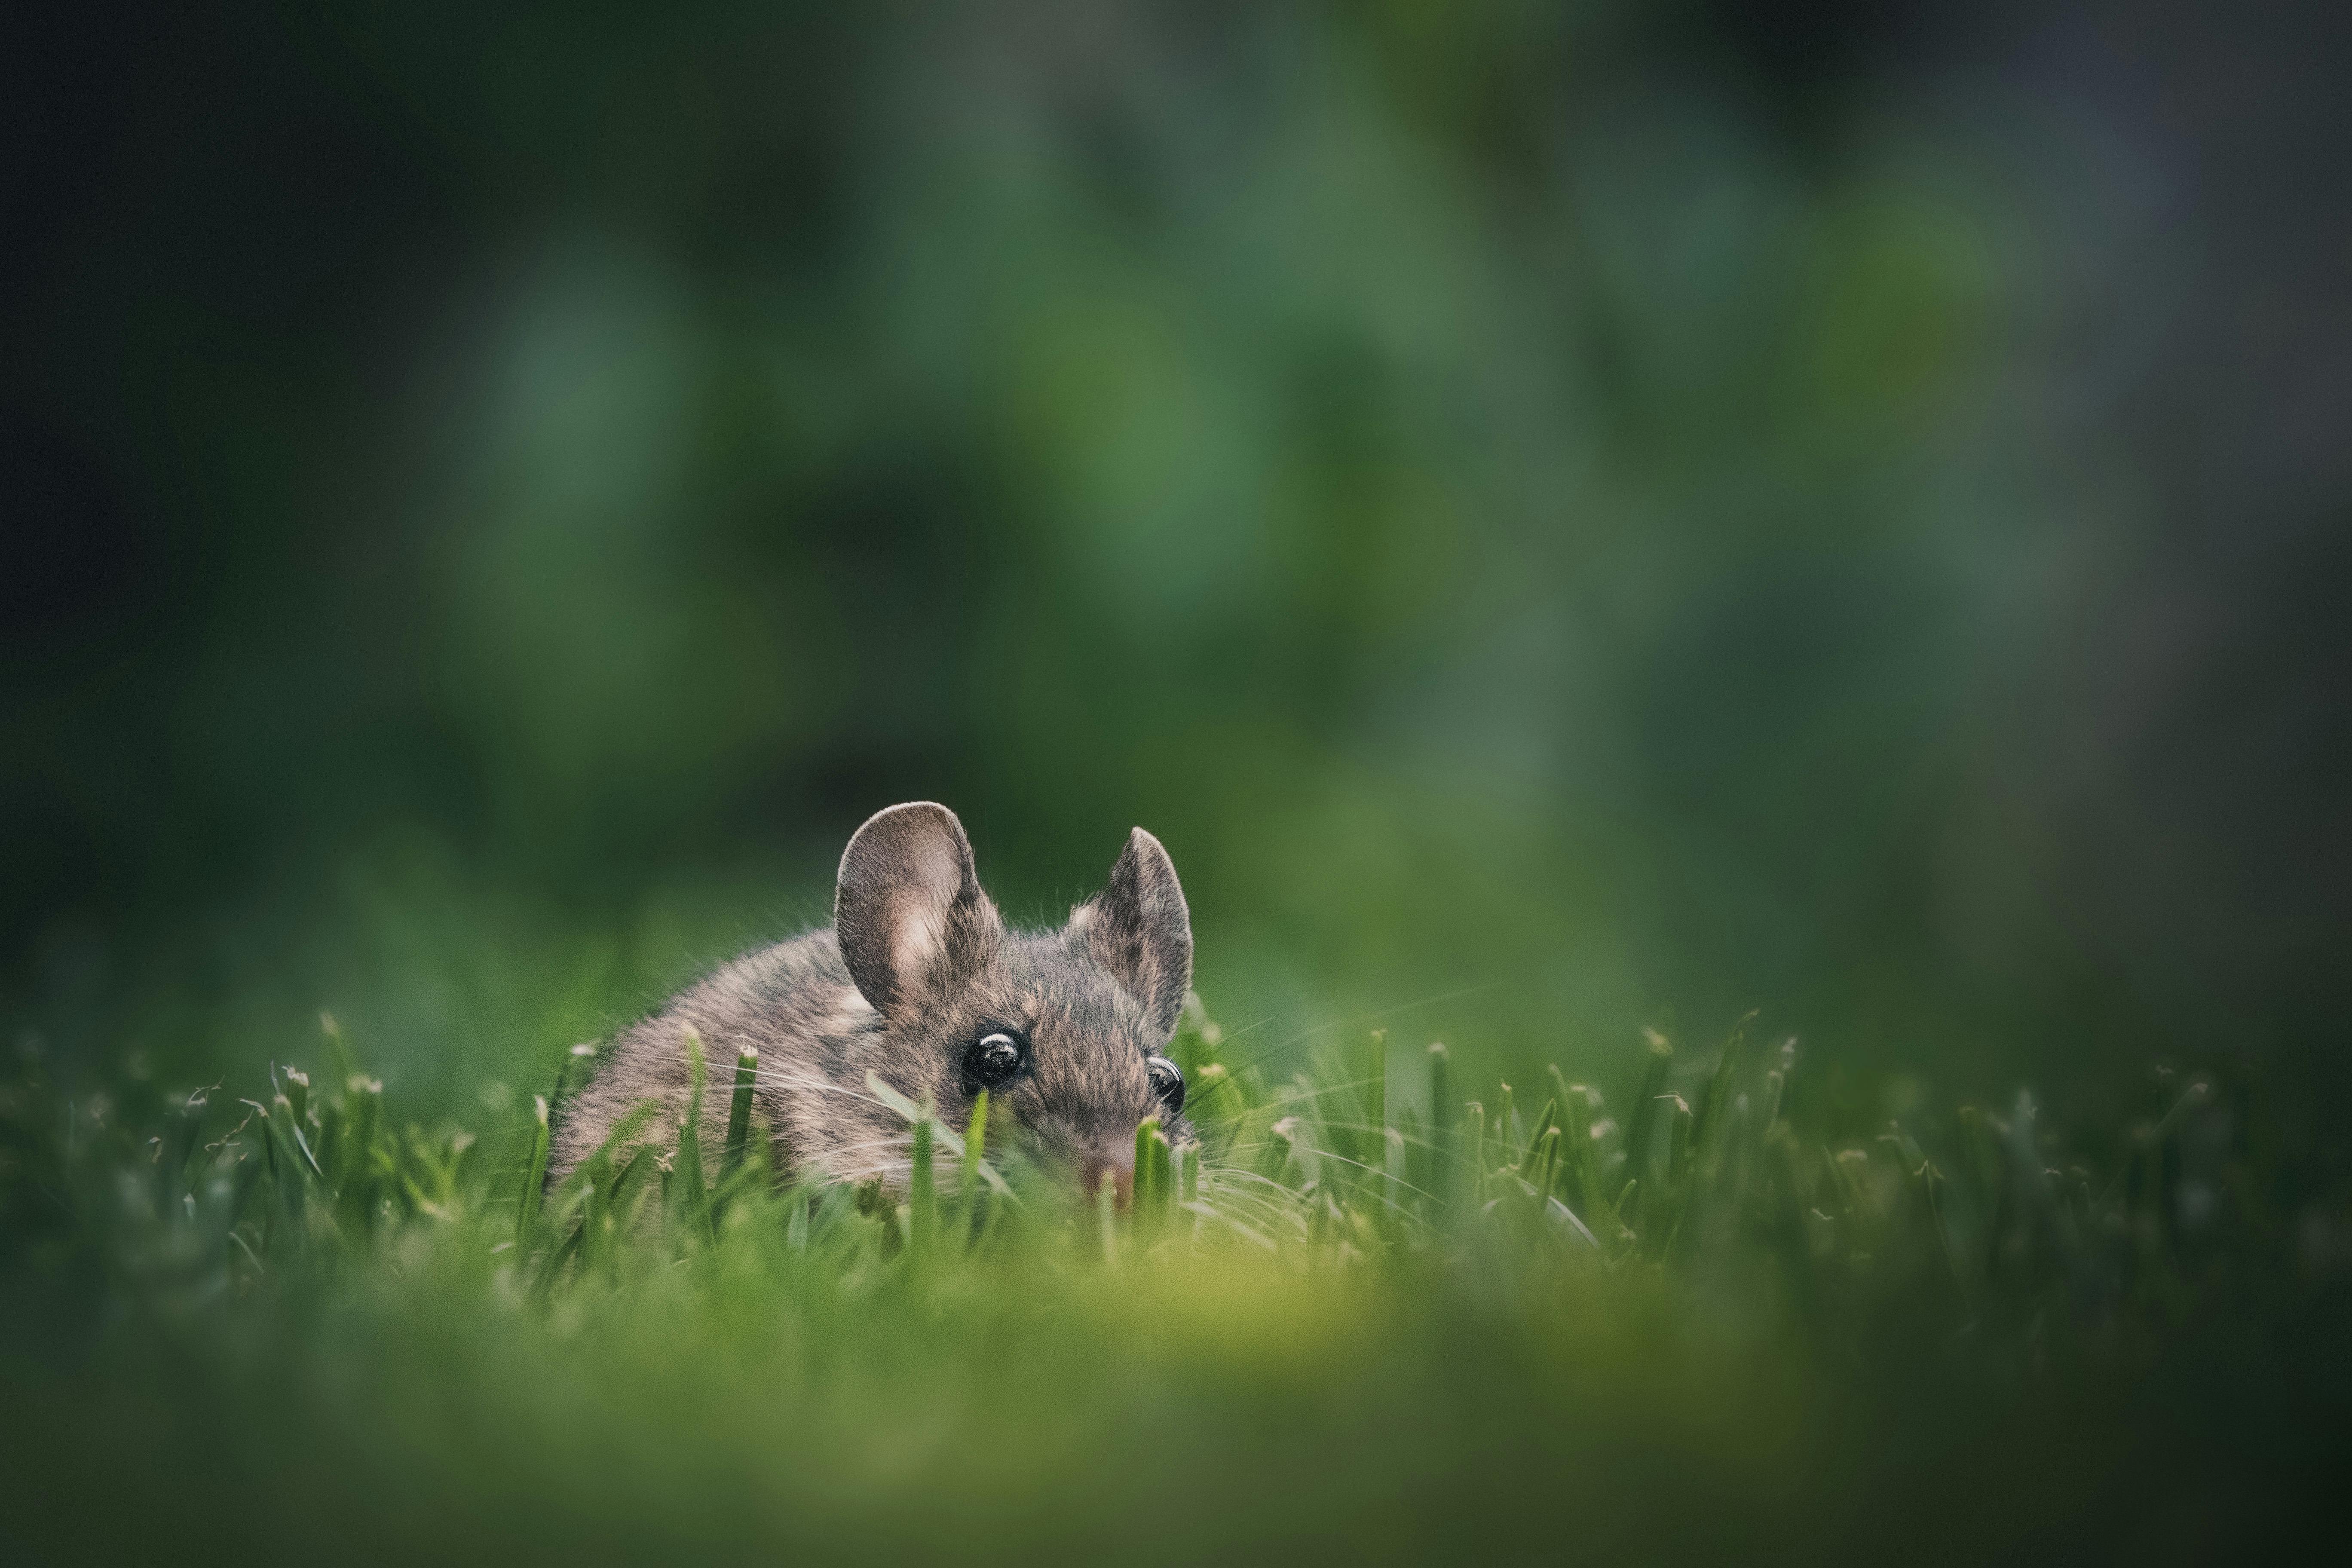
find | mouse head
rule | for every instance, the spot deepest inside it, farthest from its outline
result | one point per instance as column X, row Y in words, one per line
column 1064, row 1028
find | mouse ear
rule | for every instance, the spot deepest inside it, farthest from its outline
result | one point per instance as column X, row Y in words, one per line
column 1138, row 928
column 907, row 910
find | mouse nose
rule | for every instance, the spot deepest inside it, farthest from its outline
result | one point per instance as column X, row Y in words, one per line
column 1118, row 1163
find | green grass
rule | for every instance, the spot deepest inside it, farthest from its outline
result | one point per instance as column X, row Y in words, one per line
column 1365, row 1320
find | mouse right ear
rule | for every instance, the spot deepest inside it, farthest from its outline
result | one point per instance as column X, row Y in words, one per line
column 1139, row 928
column 907, row 910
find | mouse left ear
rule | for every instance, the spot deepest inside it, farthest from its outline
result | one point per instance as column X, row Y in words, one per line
column 1138, row 928
column 907, row 910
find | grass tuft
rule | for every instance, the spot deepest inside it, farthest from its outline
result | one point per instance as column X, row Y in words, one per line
column 1345, row 1284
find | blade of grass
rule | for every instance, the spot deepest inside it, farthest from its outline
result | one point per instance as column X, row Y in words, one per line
column 1707, row 1137
column 1641, row 1139
column 1545, row 1121
column 1443, row 1119
column 1577, row 1146
column 534, row 1181
column 695, row 1187
column 970, row 1194
column 923, row 1192
column 281, row 1111
column 738, row 1113
column 1474, row 1133
column 1146, row 1197
column 362, row 1110
column 739, row 1132
column 1678, row 1142
column 1543, row 1163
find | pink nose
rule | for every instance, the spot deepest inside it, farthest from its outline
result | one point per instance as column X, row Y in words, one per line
column 1118, row 1164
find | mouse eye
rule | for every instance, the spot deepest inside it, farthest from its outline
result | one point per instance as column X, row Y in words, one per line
column 1167, row 1082
column 993, row 1060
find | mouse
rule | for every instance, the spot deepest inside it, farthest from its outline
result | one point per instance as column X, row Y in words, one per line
column 920, row 982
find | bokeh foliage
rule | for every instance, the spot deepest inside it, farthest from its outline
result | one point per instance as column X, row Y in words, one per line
column 1570, row 517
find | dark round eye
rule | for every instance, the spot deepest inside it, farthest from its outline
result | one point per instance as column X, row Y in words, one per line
column 993, row 1061
column 1167, row 1082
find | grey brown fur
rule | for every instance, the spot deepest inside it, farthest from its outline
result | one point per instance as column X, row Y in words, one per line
column 917, row 966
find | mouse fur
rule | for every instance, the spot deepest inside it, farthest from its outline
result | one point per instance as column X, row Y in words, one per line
column 917, row 966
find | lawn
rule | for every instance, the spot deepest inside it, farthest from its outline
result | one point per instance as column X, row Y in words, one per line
column 273, row 1320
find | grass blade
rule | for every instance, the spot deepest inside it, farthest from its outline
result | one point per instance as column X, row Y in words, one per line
column 1445, row 1117
column 1146, row 1199
column 739, row 1114
column 534, row 1182
column 1641, row 1139
column 1545, row 1121
column 922, row 1193
column 1707, row 1137
column 695, row 1187
column 1164, row 1177
column 1475, row 1136
column 736, row 1149
column 971, row 1196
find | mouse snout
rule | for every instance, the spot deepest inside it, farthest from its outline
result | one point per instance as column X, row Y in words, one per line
column 1116, row 1162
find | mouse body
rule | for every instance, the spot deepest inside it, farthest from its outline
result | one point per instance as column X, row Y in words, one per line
column 921, row 983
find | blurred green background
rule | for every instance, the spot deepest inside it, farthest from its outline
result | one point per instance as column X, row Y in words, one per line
column 1563, row 518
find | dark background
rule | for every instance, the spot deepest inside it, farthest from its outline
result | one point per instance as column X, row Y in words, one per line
column 1563, row 518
